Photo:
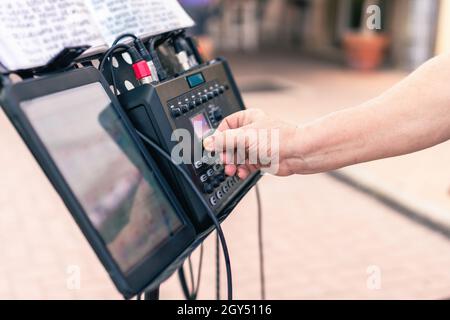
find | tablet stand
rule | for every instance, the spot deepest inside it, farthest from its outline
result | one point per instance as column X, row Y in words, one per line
column 152, row 294
column 69, row 59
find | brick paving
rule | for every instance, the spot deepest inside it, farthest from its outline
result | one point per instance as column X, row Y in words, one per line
column 321, row 236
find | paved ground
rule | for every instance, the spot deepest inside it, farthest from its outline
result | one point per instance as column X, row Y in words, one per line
column 323, row 239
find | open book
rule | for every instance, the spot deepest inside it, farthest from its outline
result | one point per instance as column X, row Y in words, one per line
column 32, row 32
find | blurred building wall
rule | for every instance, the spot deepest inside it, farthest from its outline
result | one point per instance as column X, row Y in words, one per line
column 443, row 32
column 317, row 27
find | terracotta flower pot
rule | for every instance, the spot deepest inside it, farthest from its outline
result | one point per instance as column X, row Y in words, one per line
column 365, row 51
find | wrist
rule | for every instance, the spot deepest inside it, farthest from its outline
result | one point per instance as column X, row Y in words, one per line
column 296, row 150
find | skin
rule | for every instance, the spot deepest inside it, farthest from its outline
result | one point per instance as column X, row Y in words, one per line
column 412, row 115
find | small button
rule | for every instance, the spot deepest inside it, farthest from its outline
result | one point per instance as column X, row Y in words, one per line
column 213, row 200
column 225, row 188
column 203, row 177
column 236, row 179
column 207, row 188
column 210, row 172
column 219, row 194
column 230, row 183
column 218, row 167
column 198, row 164
column 176, row 112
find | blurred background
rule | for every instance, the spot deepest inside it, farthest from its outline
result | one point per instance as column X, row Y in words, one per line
column 378, row 230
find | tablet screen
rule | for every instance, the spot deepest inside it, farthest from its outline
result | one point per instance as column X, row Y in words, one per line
column 104, row 169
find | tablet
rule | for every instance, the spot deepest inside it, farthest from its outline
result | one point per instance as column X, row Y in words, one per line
column 76, row 130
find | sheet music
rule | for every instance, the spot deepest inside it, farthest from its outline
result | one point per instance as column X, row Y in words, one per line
column 32, row 32
column 140, row 17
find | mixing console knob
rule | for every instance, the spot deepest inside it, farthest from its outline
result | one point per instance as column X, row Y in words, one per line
column 184, row 108
column 204, row 98
column 210, row 95
column 207, row 188
column 192, row 105
column 217, row 115
column 198, row 101
column 221, row 89
column 220, row 177
column 175, row 111
column 215, row 182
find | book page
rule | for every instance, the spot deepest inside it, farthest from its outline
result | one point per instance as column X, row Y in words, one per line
column 32, row 32
column 140, row 17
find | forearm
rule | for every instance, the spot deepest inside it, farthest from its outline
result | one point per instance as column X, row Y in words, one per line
column 413, row 115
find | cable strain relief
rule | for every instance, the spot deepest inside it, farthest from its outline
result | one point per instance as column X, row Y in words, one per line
column 135, row 55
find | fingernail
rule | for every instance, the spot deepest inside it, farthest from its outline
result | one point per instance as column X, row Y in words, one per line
column 208, row 143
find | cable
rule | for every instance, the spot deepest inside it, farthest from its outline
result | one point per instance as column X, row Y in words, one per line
column 123, row 36
column 191, row 294
column 199, row 271
column 109, row 52
column 217, row 268
column 208, row 210
column 191, row 273
column 261, row 245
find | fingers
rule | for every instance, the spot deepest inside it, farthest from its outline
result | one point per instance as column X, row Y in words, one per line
column 227, row 140
column 232, row 134
column 230, row 169
column 239, row 119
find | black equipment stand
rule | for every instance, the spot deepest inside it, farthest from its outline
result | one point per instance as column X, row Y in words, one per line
column 152, row 294
column 71, row 58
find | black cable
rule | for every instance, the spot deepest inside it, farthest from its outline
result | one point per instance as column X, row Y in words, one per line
column 191, row 274
column 199, row 272
column 109, row 52
column 184, row 286
column 208, row 210
column 261, row 245
column 191, row 294
column 123, row 36
column 217, row 268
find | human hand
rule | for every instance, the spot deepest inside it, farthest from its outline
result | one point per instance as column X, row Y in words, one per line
column 249, row 140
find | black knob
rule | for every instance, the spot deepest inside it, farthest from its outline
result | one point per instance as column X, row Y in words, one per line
column 215, row 182
column 217, row 114
column 192, row 105
column 198, row 102
column 221, row 89
column 184, row 108
column 216, row 92
column 175, row 111
column 204, row 98
column 207, row 188
column 220, row 177
column 210, row 95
